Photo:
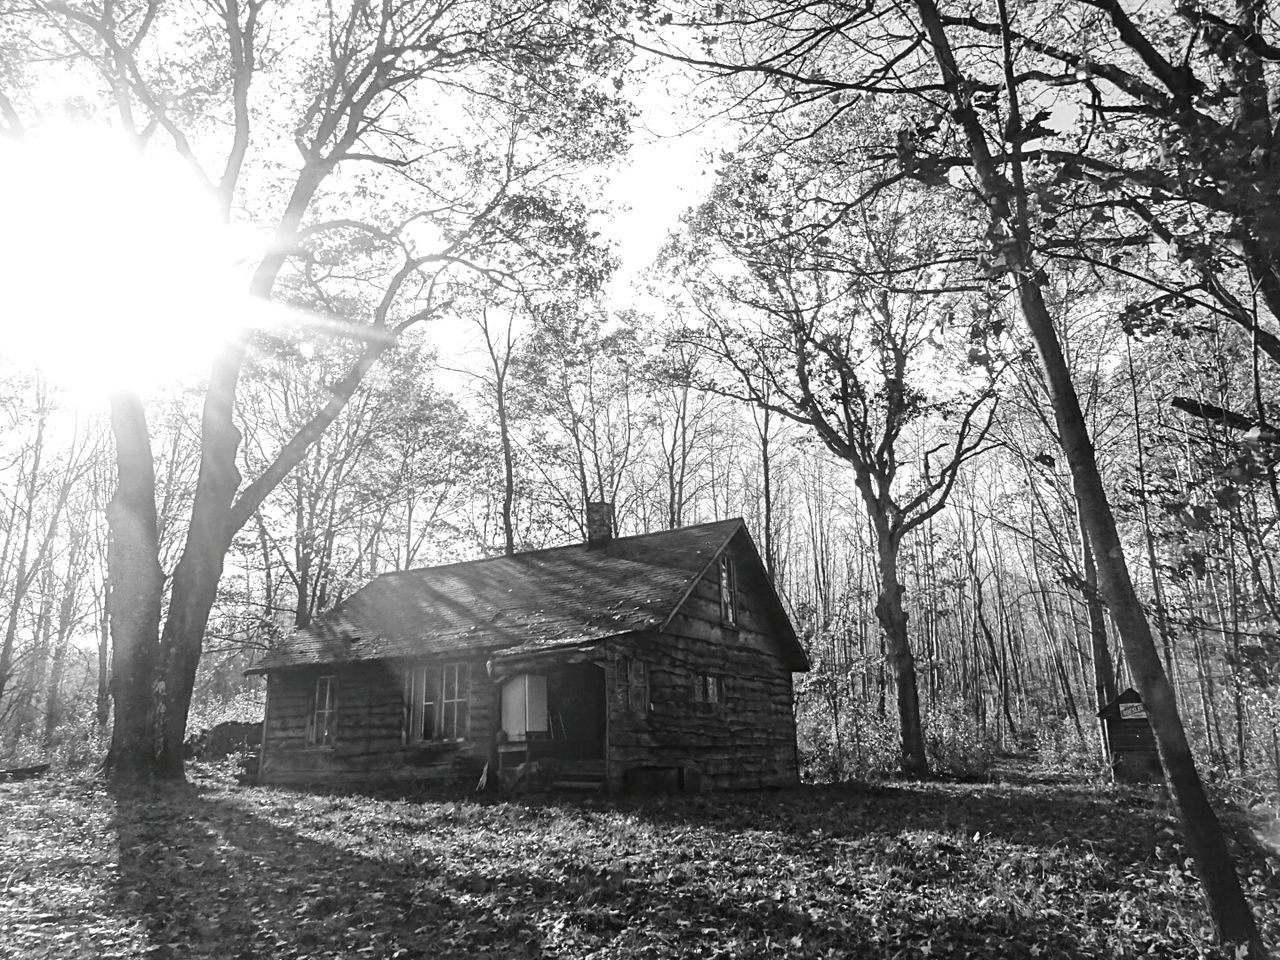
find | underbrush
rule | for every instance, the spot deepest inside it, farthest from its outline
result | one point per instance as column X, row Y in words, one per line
column 865, row 744
column 74, row 746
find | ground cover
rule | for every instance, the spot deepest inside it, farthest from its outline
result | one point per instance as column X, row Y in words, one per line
column 214, row 869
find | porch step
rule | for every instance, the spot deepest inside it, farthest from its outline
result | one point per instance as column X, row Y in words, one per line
column 581, row 785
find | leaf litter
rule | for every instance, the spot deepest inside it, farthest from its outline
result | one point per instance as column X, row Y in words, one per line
column 214, row 869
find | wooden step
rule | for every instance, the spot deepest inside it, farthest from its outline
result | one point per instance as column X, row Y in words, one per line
column 579, row 785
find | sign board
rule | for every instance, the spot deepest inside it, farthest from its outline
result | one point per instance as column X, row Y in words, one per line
column 1132, row 711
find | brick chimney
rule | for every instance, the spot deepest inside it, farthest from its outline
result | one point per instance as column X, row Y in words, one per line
column 599, row 523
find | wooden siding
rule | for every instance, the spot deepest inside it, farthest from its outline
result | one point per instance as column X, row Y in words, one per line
column 370, row 742
column 746, row 741
column 1132, row 746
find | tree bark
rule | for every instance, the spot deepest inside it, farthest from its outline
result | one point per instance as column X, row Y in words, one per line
column 135, row 590
column 1006, row 204
column 1104, row 671
column 102, row 702
column 893, row 620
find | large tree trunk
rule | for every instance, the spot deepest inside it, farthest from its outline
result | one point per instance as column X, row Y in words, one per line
column 1104, row 670
column 1227, row 905
column 135, row 588
column 196, row 577
column 1007, row 206
column 102, row 701
column 893, row 619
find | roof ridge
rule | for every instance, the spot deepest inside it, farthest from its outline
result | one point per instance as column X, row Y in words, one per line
column 563, row 546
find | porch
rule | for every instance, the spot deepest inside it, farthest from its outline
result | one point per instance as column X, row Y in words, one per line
column 553, row 721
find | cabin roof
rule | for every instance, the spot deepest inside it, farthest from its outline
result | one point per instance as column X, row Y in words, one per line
column 1112, row 709
column 541, row 599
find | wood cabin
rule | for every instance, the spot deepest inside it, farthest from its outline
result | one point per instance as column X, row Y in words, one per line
column 653, row 662
column 1131, row 743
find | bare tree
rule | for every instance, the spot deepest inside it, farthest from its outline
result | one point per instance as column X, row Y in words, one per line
column 841, row 316
column 460, row 198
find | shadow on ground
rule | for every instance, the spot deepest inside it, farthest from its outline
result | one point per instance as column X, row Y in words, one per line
column 208, row 880
column 849, row 871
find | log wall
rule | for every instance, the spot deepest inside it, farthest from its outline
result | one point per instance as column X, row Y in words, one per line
column 747, row 741
column 370, row 743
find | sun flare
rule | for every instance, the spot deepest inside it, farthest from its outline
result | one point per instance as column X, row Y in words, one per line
column 118, row 270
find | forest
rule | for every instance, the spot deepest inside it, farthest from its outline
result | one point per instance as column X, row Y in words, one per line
column 971, row 310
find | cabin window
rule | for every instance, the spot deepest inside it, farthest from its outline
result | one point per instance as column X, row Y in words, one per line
column 439, row 702
column 728, row 592
column 454, row 712
column 708, row 688
column 324, row 713
column 634, row 675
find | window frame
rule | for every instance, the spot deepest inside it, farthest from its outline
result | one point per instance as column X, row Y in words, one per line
column 322, row 728
column 711, row 689
column 424, row 703
column 425, row 694
column 727, row 581
column 634, row 674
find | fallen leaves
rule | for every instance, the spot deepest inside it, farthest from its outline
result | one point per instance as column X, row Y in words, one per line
column 920, row 870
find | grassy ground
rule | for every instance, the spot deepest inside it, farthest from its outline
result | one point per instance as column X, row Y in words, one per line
column 213, row 869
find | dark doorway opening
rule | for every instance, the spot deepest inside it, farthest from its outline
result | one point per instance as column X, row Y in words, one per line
column 576, row 702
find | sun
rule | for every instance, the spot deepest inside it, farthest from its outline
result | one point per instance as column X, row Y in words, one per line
column 118, row 270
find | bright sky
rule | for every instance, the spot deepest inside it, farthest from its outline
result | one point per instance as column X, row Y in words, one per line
column 119, row 271
column 661, row 179
column 117, row 268
column 666, row 171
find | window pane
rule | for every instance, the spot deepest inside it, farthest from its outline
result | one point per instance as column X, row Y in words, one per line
column 637, row 686
column 454, row 680
column 728, row 592
column 324, row 712
column 428, row 683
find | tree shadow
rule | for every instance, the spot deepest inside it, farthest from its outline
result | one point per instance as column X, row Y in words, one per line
column 209, row 879
column 852, row 870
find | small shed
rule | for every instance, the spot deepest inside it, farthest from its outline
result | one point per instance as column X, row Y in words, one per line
column 1131, row 744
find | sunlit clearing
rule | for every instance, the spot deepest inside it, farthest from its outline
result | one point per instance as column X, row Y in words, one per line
column 118, row 272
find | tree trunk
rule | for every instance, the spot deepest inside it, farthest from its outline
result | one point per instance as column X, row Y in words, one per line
column 1006, row 204
column 135, row 589
column 196, row 578
column 508, row 477
column 1231, row 913
column 1068, row 698
column 766, row 468
column 893, row 619
column 23, row 575
column 66, row 622
column 102, row 704
column 1104, row 671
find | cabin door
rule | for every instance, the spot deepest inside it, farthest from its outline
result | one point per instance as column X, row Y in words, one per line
column 579, row 710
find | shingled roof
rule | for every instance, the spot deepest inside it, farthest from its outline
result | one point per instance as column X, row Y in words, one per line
column 543, row 599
